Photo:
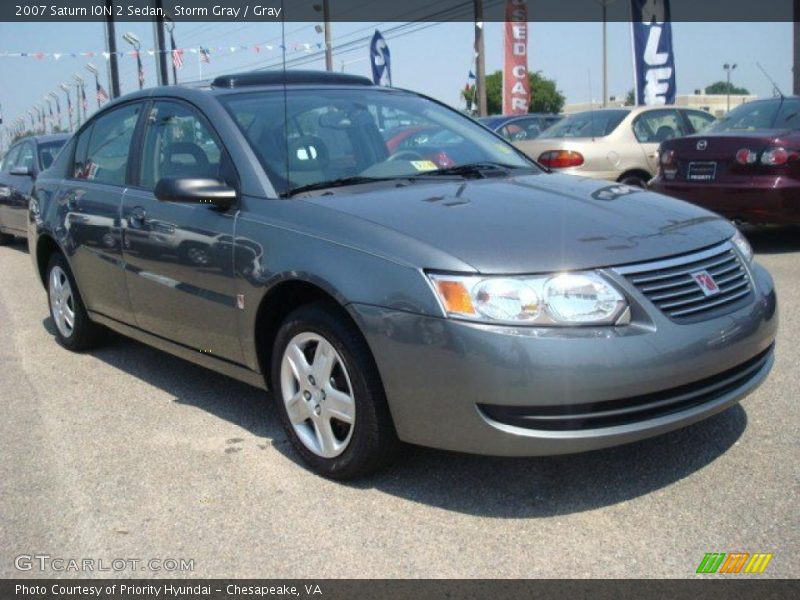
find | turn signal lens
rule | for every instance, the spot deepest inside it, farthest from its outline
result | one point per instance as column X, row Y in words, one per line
column 561, row 159
column 667, row 158
column 455, row 296
column 745, row 156
column 775, row 157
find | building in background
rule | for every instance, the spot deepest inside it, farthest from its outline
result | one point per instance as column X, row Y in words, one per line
column 716, row 104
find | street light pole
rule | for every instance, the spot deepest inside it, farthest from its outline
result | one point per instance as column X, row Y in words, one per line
column 111, row 48
column 480, row 60
column 728, row 68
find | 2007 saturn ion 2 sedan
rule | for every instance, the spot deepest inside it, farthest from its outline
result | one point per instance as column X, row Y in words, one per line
column 259, row 225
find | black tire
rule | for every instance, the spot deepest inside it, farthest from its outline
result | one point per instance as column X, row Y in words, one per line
column 634, row 181
column 373, row 443
column 5, row 239
column 85, row 334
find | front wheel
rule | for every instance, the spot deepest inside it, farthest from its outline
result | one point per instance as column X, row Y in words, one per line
column 328, row 394
column 74, row 330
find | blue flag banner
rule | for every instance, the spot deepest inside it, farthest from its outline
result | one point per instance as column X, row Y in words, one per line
column 653, row 57
column 381, row 60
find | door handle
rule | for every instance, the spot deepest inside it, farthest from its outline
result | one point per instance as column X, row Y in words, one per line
column 137, row 217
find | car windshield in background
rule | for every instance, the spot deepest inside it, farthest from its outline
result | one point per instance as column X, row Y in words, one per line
column 769, row 114
column 594, row 123
column 48, row 152
column 308, row 138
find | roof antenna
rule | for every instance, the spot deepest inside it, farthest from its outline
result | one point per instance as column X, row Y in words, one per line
column 775, row 87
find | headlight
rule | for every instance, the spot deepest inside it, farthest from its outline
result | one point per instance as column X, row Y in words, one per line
column 743, row 246
column 583, row 298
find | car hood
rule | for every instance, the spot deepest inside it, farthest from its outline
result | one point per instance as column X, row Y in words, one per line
column 532, row 223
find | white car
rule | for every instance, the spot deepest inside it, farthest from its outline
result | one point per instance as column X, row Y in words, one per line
column 617, row 144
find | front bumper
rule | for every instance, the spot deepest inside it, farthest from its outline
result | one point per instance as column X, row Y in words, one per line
column 756, row 200
column 443, row 377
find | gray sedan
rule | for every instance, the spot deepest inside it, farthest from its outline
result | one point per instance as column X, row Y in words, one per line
column 454, row 295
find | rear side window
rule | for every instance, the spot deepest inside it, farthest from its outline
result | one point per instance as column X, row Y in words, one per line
column 658, row 126
column 699, row 120
column 108, row 147
column 789, row 115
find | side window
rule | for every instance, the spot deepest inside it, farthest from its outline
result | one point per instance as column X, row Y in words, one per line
column 178, row 143
column 26, row 156
column 105, row 159
column 11, row 158
column 658, row 126
column 699, row 120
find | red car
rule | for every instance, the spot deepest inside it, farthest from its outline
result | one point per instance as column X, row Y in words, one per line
column 745, row 167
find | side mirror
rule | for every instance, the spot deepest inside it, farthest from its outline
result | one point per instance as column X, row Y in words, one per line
column 24, row 171
column 195, row 190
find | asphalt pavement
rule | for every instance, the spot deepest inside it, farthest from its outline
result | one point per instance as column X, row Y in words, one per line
column 129, row 453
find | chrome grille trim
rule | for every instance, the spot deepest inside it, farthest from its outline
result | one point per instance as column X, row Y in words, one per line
column 668, row 283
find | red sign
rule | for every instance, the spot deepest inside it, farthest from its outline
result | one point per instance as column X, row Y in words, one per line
column 516, row 87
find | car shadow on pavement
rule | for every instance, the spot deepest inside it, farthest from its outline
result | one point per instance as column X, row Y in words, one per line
column 773, row 240
column 478, row 485
column 19, row 244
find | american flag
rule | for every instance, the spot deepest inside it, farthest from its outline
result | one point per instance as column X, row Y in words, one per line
column 83, row 99
column 101, row 93
column 177, row 54
column 204, row 55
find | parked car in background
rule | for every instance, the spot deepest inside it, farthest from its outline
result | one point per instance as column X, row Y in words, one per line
column 22, row 164
column 517, row 128
column 745, row 167
column 488, row 307
column 617, row 144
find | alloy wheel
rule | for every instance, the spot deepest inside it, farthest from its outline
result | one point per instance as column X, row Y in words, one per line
column 62, row 303
column 317, row 394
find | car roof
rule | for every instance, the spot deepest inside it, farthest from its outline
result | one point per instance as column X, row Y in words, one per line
column 44, row 139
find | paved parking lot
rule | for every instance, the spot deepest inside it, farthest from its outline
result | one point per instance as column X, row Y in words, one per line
column 128, row 452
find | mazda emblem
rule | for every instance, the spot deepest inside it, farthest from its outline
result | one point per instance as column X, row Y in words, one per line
column 702, row 145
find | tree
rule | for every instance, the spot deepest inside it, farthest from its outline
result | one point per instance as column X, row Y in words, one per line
column 545, row 95
column 723, row 87
column 630, row 99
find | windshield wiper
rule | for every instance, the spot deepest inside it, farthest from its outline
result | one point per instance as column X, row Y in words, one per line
column 479, row 168
column 332, row 183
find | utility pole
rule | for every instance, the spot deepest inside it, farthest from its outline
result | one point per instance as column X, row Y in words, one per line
column 158, row 37
column 796, row 61
column 111, row 48
column 326, row 26
column 480, row 60
column 605, row 55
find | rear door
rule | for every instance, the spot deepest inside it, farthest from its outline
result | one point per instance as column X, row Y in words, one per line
column 17, row 192
column 5, row 187
column 181, row 287
column 92, row 205
column 653, row 127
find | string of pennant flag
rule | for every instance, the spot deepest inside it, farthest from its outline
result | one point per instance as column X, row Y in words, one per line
column 257, row 48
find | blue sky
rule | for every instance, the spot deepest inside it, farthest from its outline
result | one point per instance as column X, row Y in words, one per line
column 433, row 59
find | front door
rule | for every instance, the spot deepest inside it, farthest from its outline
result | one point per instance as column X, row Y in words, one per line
column 180, row 283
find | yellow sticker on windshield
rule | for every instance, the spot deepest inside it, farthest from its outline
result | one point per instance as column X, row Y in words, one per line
column 424, row 165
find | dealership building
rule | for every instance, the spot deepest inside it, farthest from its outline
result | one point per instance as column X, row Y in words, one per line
column 716, row 104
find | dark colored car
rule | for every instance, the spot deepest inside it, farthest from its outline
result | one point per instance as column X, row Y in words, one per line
column 22, row 164
column 745, row 167
column 260, row 226
column 516, row 128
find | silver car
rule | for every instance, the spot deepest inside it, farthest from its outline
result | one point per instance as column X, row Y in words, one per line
column 616, row 144
column 487, row 306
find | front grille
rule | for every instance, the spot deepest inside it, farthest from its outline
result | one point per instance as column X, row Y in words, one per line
column 611, row 413
column 670, row 285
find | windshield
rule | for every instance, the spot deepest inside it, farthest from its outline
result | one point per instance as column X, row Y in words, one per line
column 313, row 136
column 769, row 114
column 48, row 152
column 593, row 123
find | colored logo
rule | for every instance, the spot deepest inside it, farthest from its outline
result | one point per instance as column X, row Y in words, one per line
column 706, row 282
column 734, row 562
